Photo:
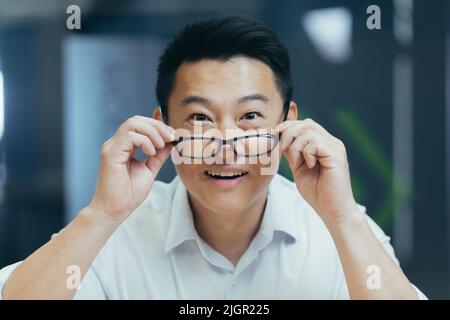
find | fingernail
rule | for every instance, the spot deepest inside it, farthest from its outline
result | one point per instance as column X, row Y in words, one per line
column 170, row 129
column 172, row 136
column 171, row 132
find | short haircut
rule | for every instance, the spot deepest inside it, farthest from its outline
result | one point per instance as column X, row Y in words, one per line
column 222, row 39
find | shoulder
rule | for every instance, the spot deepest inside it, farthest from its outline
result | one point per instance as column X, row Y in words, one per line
column 291, row 198
column 309, row 222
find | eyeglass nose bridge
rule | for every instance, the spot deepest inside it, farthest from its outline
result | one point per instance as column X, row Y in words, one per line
column 232, row 141
column 227, row 142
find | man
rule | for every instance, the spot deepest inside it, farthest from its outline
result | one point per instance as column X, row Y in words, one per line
column 221, row 229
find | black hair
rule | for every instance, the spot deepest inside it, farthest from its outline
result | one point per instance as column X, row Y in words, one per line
column 222, row 39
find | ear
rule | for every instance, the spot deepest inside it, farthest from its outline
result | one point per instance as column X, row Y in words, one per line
column 293, row 111
column 157, row 114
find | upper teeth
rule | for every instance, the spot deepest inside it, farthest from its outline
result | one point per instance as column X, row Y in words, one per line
column 225, row 174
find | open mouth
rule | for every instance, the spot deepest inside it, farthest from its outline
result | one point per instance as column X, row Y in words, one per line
column 222, row 175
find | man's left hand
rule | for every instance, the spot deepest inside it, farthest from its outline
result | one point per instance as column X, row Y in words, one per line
column 320, row 168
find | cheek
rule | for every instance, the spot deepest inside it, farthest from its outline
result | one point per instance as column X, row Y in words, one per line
column 188, row 171
column 261, row 182
column 189, row 175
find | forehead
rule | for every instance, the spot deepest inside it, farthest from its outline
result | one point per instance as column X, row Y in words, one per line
column 228, row 79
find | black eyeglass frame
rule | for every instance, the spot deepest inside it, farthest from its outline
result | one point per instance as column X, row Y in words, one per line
column 230, row 142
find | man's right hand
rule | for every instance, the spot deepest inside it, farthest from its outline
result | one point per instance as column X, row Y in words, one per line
column 124, row 182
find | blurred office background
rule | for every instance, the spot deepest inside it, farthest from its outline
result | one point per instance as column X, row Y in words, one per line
column 385, row 93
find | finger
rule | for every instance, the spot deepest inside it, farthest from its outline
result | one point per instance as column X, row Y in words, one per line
column 289, row 135
column 309, row 152
column 314, row 143
column 132, row 140
column 150, row 131
column 143, row 124
column 294, row 152
column 284, row 125
column 326, row 154
column 293, row 132
column 307, row 123
column 304, row 146
column 144, row 127
column 166, row 131
column 155, row 163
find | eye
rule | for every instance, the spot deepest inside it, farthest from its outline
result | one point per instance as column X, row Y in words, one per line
column 251, row 115
column 199, row 117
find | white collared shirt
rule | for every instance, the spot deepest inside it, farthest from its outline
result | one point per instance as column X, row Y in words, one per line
column 157, row 254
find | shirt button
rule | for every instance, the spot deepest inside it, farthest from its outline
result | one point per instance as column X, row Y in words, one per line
column 235, row 283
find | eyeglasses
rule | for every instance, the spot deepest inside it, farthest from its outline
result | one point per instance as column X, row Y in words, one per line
column 201, row 147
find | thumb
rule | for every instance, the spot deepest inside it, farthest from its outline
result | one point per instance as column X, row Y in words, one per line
column 156, row 162
column 294, row 158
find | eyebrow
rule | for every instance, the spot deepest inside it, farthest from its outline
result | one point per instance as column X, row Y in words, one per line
column 195, row 99
column 205, row 101
column 255, row 96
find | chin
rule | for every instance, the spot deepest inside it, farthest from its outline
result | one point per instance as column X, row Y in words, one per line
column 225, row 204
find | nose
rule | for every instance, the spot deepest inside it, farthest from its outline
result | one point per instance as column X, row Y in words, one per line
column 229, row 130
column 226, row 154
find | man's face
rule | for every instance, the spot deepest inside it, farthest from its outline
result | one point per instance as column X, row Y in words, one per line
column 239, row 94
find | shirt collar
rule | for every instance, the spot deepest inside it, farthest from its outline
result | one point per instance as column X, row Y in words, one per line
column 281, row 206
column 279, row 214
column 181, row 225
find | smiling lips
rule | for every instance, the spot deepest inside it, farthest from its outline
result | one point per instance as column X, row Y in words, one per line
column 218, row 174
